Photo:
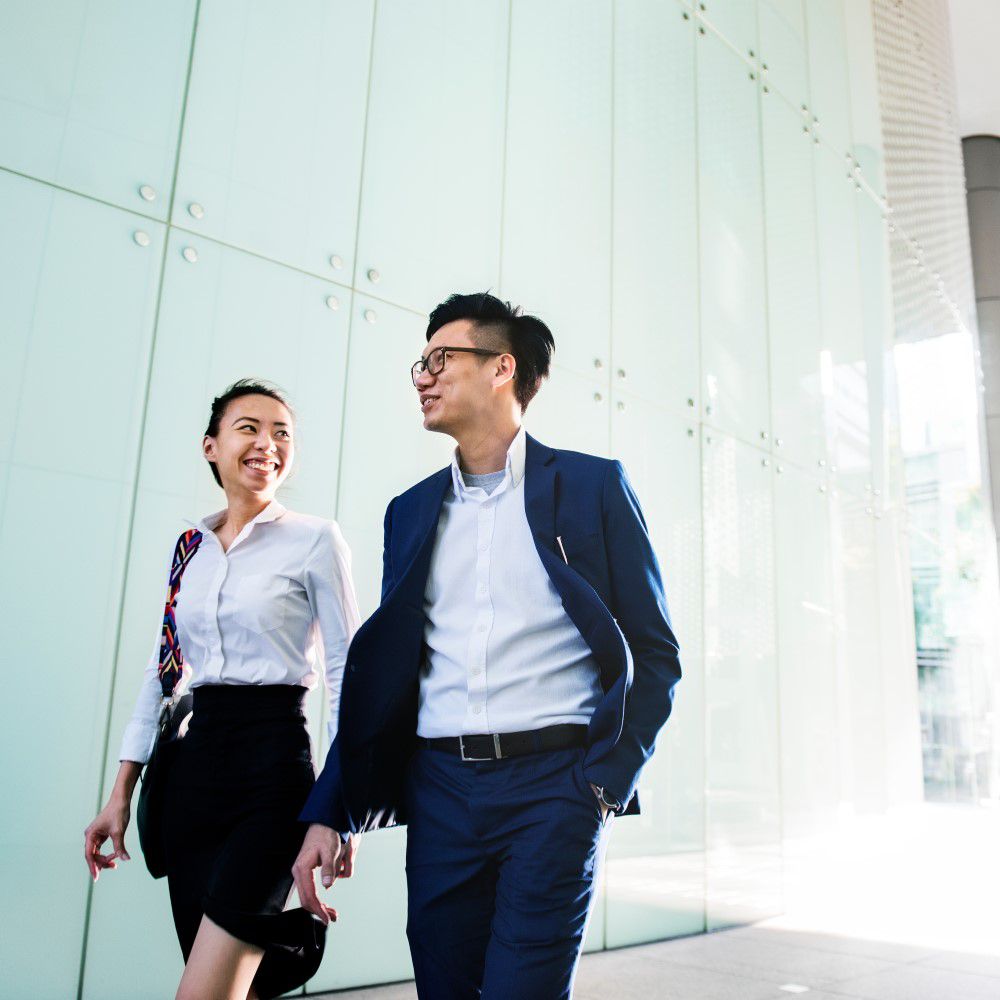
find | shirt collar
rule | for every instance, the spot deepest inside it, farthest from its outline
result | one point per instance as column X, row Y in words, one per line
column 210, row 522
column 513, row 467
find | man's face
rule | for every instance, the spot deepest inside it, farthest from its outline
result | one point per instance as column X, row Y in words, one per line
column 461, row 393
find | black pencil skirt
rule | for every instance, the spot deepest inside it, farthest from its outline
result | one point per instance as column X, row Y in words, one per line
column 240, row 777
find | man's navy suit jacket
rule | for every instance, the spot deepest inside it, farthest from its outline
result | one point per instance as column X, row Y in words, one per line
column 610, row 587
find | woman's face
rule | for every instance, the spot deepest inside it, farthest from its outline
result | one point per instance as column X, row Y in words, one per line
column 254, row 448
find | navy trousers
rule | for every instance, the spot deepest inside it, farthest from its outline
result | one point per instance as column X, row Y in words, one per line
column 501, row 861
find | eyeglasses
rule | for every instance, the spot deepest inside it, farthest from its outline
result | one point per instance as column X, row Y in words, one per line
column 433, row 364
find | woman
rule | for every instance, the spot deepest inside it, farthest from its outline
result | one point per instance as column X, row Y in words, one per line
column 266, row 593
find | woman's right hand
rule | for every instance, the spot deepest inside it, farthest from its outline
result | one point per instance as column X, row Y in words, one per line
column 112, row 821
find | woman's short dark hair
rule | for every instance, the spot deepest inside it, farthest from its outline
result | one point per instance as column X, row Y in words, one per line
column 499, row 326
column 240, row 388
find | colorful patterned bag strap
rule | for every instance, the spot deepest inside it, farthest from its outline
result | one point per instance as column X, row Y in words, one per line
column 171, row 658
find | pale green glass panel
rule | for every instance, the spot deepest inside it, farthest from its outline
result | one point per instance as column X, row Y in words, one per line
column 75, row 361
column 77, row 325
column 795, row 333
column 273, row 130
column 556, row 259
column 879, row 332
column 743, row 812
column 63, row 537
column 829, row 92
column 865, row 100
column 571, row 411
column 386, row 449
column 656, row 861
column 229, row 315
column 783, row 49
column 733, row 316
column 24, row 211
column 432, row 190
column 861, row 704
column 897, row 656
column 810, row 776
column 91, row 94
column 844, row 369
column 735, row 20
column 655, row 274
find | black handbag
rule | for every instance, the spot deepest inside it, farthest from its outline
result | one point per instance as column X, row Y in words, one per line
column 171, row 726
column 150, row 811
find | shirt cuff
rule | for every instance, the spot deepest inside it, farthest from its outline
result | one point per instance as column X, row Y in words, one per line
column 138, row 742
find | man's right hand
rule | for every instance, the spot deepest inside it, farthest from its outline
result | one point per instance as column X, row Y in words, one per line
column 320, row 849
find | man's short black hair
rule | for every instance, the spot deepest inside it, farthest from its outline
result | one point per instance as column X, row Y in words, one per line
column 499, row 326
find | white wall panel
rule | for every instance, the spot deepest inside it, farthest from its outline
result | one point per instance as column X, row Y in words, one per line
column 656, row 862
column 655, row 272
column 557, row 196
column 432, row 188
column 271, row 155
column 733, row 312
column 810, row 768
column 795, row 334
column 75, row 360
column 91, row 93
column 742, row 776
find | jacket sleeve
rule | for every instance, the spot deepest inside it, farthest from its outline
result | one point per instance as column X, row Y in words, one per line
column 639, row 604
column 388, row 577
column 325, row 804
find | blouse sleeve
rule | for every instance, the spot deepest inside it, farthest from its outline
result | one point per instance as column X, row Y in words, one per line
column 334, row 605
column 140, row 733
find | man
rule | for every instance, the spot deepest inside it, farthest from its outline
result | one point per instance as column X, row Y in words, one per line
column 507, row 692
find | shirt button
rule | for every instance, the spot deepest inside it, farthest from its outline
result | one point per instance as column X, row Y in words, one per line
column 480, row 628
column 476, row 671
column 477, row 709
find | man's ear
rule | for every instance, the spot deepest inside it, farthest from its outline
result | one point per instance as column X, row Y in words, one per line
column 506, row 366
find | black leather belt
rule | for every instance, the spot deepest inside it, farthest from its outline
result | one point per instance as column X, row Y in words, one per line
column 494, row 746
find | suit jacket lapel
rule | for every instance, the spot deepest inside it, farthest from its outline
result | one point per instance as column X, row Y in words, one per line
column 416, row 542
column 540, row 485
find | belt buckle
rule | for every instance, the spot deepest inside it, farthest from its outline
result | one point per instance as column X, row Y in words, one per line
column 496, row 746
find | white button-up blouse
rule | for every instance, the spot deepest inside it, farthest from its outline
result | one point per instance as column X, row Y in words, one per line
column 270, row 610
